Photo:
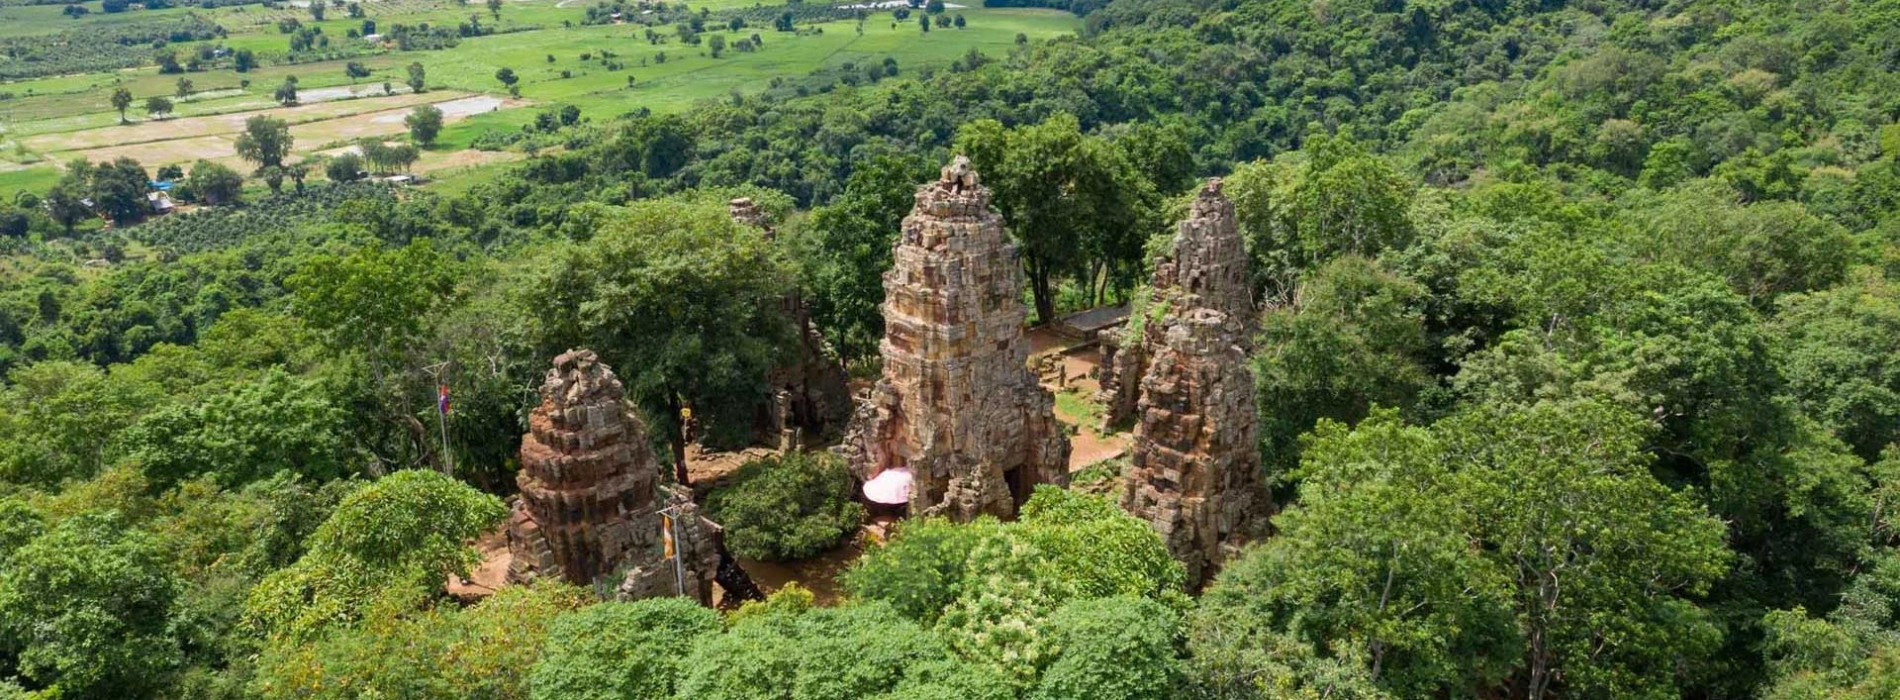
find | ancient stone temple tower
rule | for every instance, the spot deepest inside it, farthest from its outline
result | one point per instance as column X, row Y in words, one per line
column 956, row 405
column 591, row 504
column 1209, row 261
column 1194, row 472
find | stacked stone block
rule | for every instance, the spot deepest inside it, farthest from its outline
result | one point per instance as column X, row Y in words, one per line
column 957, row 404
column 591, row 502
column 1194, row 470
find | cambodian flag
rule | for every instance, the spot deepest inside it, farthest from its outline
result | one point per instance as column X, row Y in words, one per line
column 442, row 399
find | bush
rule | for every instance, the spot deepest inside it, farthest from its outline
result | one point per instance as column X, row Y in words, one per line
column 788, row 507
column 856, row 651
column 1119, row 648
column 611, row 651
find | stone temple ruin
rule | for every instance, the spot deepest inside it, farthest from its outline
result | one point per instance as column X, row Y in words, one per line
column 1209, row 261
column 956, row 405
column 1194, row 472
column 591, row 503
column 811, row 397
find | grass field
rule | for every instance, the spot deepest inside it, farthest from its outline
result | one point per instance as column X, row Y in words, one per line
column 52, row 120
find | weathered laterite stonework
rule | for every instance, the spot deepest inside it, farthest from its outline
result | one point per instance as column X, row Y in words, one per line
column 957, row 404
column 810, row 399
column 591, row 502
column 1194, row 472
column 1209, row 261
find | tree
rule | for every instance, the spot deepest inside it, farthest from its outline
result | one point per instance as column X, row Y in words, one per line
column 424, row 123
column 157, row 105
column 494, row 9
column 215, row 183
column 243, row 433
column 184, row 88
column 344, row 167
column 316, row 10
column 507, row 76
column 417, row 77
column 570, row 115
column 66, row 201
column 168, row 63
column 610, row 651
column 791, row 507
column 857, row 651
column 243, row 60
column 1848, row 653
column 846, row 248
column 118, row 190
column 1604, row 596
column 717, row 44
column 1119, row 648
column 483, row 651
column 1353, row 337
column 355, row 70
column 286, row 94
column 375, row 299
column 44, row 426
column 959, row 21
column 85, row 609
column 1839, row 361
column 681, row 301
column 121, row 100
column 923, row 23
column 265, row 141
column 1375, row 559
column 390, row 543
column 1074, row 206
column 397, row 158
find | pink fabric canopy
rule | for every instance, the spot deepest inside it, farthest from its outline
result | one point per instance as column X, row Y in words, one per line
column 890, row 487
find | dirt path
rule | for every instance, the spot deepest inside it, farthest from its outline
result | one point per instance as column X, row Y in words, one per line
column 1087, row 448
column 491, row 574
column 818, row 575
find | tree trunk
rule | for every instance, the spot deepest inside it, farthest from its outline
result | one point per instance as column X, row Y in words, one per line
column 1039, row 289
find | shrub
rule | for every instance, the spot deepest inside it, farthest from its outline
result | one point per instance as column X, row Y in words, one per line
column 619, row 650
column 788, row 507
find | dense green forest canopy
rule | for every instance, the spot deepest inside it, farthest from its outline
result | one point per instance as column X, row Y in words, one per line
column 1578, row 375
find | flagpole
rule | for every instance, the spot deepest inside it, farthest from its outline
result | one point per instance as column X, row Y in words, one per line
column 442, row 416
column 673, row 544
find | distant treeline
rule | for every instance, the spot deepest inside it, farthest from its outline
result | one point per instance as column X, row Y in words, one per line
column 97, row 48
column 1081, row 8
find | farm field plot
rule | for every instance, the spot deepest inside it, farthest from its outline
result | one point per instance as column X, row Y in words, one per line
column 48, row 121
column 188, row 127
column 216, row 140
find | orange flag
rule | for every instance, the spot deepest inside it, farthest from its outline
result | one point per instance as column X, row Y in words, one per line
column 666, row 532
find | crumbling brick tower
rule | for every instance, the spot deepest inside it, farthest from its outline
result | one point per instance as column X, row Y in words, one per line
column 591, row 502
column 1209, row 261
column 1194, row 473
column 957, row 404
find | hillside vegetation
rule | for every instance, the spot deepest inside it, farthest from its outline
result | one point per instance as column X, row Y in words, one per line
column 1577, row 372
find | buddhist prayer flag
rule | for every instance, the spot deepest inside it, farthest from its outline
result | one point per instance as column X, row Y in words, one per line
column 442, row 398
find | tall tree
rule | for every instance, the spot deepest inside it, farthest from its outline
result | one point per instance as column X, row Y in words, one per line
column 682, row 301
column 1077, row 211
column 122, row 100
column 424, row 123
column 265, row 141
column 418, row 77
